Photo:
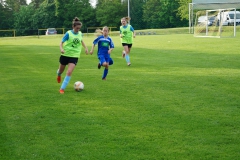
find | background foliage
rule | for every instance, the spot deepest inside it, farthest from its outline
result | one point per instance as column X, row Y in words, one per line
column 151, row 14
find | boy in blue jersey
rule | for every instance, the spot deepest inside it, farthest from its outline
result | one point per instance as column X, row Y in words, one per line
column 105, row 47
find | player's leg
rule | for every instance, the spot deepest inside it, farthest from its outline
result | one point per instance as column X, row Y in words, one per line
column 63, row 62
column 59, row 72
column 127, row 57
column 105, row 63
column 110, row 61
column 71, row 65
column 99, row 66
column 125, row 49
column 99, row 63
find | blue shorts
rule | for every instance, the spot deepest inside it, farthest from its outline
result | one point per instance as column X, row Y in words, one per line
column 104, row 58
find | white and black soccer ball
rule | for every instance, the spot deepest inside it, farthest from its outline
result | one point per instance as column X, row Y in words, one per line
column 78, row 86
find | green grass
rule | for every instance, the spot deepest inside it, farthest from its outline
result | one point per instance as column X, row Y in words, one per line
column 180, row 99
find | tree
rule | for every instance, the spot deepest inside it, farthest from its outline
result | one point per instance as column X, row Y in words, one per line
column 136, row 13
column 44, row 17
column 151, row 14
column 66, row 10
column 36, row 3
column 162, row 14
column 15, row 5
column 109, row 12
column 23, row 20
column 183, row 9
column 170, row 14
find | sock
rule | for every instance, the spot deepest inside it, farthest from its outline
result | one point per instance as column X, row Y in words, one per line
column 59, row 74
column 111, row 62
column 127, row 58
column 105, row 72
column 65, row 82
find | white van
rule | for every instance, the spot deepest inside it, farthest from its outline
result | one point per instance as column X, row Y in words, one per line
column 228, row 18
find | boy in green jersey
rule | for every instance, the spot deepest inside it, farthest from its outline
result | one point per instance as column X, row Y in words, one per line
column 126, row 34
column 70, row 47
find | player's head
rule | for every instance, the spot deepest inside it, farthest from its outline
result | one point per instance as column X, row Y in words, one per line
column 105, row 31
column 76, row 24
column 125, row 20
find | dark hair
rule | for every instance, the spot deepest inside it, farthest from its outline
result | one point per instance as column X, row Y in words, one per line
column 76, row 22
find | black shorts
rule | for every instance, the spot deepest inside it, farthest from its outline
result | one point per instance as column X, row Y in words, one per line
column 125, row 44
column 65, row 60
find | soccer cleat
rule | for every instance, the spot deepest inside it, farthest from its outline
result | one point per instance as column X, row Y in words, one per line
column 129, row 64
column 123, row 54
column 99, row 66
column 104, row 79
column 58, row 79
column 61, row 91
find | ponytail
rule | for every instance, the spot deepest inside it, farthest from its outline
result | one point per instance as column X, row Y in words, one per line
column 76, row 21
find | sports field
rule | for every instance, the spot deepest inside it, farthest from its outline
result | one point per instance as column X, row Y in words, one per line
column 180, row 99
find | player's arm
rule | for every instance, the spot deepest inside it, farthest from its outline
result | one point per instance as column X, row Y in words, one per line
column 61, row 48
column 111, row 47
column 92, row 49
column 110, row 50
column 134, row 34
column 85, row 47
column 64, row 39
column 121, row 35
column 94, row 43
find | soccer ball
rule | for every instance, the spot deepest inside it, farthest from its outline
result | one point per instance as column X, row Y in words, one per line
column 78, row 86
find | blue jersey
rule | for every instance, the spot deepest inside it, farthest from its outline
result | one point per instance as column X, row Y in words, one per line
column 103, row 44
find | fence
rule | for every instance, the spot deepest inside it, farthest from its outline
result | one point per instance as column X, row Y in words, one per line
column 28, row 32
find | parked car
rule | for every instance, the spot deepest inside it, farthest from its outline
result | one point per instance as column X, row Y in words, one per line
column 203, row 20
column 51, row 31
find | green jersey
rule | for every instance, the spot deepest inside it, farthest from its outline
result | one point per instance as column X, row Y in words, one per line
column 127, row 34
column 73, row 46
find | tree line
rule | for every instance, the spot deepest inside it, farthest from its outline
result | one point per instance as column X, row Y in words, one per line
column 26, row 19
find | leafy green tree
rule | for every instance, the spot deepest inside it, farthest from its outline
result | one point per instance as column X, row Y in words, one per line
column 45, row 16
column 183, row 10
column 136, row 13
column 36, row 3
column 6, row 18
column 66, row 10
column 170, row 13
column 23, row 20
column 151, row 12
column 15, row 5
column 162, row 14
column 7, row 10
column 29, row 19
column 110, row 12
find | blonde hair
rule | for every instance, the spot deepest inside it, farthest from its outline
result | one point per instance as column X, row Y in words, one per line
column 99, row 32
column 127, row 19
column 105, row 27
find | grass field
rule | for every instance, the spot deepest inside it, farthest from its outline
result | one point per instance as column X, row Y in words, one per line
column 180, row 99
